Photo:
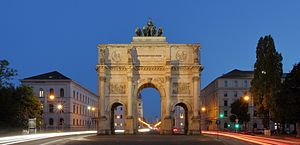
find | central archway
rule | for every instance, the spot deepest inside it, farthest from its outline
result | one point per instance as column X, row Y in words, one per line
column 149, row 121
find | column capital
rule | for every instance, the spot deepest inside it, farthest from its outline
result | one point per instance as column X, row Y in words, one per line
column 196, row 78
column 102, row 78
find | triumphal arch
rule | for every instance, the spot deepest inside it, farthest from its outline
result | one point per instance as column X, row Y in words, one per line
column 174, row 70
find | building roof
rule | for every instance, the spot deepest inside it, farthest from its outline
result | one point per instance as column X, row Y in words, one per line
column 237, row 74
column 54, row 75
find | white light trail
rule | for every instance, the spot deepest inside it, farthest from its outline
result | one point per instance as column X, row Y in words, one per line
column 31, row 137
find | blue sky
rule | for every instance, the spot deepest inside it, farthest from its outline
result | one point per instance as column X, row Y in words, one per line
column 42, row 36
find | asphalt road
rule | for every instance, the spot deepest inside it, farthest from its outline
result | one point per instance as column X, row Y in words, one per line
column 93, row 139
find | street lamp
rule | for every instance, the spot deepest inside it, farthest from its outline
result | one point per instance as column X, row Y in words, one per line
column 246, row 98
column 59, row 107
column 51, row 97
column 203, row 109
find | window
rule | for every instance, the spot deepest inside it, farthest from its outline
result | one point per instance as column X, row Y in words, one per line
column 225, row 103
column 235, row 83
column 74, row 108
column 41, row 93
column 225, row 113
column 51, row 108
column 235, row 94
column 51, row 122
column 255, row 113
column 181, row 115
column 77, row 109
column 77, row 121
column 61, row 121
column 51, row 91
column 120, row 116
column 245, row 84
column 121, row 108
column 225, row 94
column 225, row 83
column 73, row 94
column 62, row 92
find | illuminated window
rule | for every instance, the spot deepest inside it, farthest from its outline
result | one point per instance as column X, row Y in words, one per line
column 181, row 115
column 41, row 94
column 181, row 124
column 62, row 92
column 51, row 91
column 121, row 124
column 118, row 116
column 116, row 124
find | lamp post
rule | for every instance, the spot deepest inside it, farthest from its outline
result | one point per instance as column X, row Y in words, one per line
column 59, row 109
column 203, row 110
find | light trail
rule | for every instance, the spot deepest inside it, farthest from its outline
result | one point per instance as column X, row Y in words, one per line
column 31, row 137
column 158, row 123
column 253, row 139
column 149, row 126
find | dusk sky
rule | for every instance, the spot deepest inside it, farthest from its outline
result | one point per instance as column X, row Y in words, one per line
column 42, row 36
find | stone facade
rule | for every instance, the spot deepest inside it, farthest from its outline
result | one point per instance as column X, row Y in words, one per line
column 79, row 105
column 172, row 69
column 221, row 93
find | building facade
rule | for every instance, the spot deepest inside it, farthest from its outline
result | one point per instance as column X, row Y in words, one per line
column 66, row 105
column 218, row 96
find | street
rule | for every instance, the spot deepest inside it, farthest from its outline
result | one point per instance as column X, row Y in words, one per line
column 92, row 139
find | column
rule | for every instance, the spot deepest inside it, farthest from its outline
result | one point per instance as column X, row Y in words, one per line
column 101, row 95
column 168, row 96
column 167, row 122
column 102, row 127
column 129, row 79
column 196, row 95
column 195, row 127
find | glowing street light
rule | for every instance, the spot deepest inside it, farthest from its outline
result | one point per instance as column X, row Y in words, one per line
column 203, row 109
column 93, row 108
column 59, row 107
column 89, row 107
column 246, row 98
column 51, row 97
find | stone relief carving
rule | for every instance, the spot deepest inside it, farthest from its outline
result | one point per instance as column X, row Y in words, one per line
column 181, row 55
column 181, row 88
column 117, row 88
column 101, row 55
column 116, row 56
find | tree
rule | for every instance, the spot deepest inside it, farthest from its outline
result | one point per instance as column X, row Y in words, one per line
column 6, row 73
column 267, row 77
column 291, row 94
column 240, row 109
column 17, row 104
